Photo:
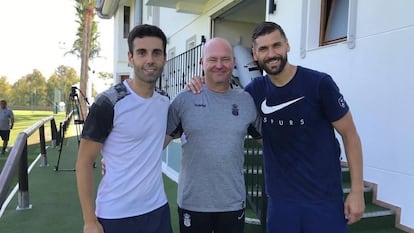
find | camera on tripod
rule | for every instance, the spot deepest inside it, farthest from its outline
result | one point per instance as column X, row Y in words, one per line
column 76, row 108
column 78, row 120
column 73, row 92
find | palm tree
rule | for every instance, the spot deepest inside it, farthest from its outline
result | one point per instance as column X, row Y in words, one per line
column 86, row 46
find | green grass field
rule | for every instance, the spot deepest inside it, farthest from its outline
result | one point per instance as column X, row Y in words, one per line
column 23, row 120
column 26, row 118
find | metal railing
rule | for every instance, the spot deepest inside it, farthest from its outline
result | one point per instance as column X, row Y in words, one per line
column 254, row 179
column 180, row 69
column 17, row 161
column 63, row 126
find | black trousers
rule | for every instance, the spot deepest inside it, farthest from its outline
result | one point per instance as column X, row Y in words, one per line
column 208, row 222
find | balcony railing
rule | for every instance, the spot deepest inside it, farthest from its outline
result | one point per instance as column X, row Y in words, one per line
column 180, row 69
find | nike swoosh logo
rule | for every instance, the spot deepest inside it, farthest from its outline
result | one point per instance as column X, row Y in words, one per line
column 241, row 216
column 270, row 109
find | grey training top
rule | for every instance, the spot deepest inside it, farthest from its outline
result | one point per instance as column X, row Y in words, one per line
column 6, row 115
column 214, row 127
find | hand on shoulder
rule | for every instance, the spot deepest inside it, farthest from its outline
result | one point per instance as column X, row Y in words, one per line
column 195, row 85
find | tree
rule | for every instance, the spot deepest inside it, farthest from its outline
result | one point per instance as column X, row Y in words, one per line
column 105, row 76
column 86, row 46
column 6, row 89
column 105, row 80
column 60, row 83
column 30, row 90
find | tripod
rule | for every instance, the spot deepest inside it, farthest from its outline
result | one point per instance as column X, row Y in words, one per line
column 77, row 113
column 78, row 120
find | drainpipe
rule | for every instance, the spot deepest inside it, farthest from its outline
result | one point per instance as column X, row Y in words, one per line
column 138, row 12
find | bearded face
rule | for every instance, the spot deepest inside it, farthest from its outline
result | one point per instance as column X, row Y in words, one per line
column 273, row 65
column 270, row 52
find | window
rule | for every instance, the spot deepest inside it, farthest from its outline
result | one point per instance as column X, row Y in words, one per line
column 326, row 22
column 191, row 42
column 171, row 53
column 124, row 77
column 127, row 20
column 153, row 15
column 334, row 21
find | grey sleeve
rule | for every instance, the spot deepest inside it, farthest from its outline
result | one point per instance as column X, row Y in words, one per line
column 174, row 120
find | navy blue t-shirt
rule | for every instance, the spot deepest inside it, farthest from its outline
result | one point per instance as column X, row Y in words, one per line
column 301, row 152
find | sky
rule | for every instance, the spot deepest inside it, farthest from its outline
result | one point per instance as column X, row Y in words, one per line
column 35, row 34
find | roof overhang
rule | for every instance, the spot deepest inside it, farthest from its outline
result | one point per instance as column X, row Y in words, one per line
column 182, row 6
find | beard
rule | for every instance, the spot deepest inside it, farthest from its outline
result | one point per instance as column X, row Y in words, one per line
column 273, row 70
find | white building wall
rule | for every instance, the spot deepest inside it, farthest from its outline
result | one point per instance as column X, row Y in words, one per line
column 173, row 23
column 237, row 33
column 120, row 43
column 375, row 79
column 198, row 28
column 179, row 27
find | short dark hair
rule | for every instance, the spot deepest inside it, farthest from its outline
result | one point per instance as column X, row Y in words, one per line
column 145, row 30
column 267, row 28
